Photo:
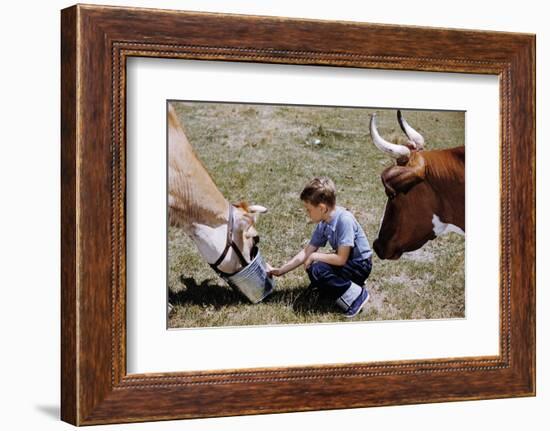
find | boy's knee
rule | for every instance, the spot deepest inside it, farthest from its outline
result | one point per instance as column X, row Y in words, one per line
column 318, row 270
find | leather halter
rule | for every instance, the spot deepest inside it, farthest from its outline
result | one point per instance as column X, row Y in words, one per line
column 229, row 243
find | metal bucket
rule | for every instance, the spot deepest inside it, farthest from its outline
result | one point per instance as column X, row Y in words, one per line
column 252, row 281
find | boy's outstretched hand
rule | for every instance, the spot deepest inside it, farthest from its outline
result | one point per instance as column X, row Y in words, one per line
column 273, row 271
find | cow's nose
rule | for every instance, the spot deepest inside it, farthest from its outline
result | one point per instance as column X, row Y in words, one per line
column 256, row 239
column 384, row 251
column 387, row 250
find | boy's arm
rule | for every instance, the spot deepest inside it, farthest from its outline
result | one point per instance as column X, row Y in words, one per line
column 296, row 261
column 338, row 259
column 346, row 240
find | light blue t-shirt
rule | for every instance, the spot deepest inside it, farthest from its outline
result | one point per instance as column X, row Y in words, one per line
column 342, row 229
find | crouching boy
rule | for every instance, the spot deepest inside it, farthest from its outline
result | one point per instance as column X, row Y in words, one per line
column 339, row 276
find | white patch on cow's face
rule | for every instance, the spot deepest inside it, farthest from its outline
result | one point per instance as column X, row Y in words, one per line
column 441, row 228
column 210, row 240
column 211, row 243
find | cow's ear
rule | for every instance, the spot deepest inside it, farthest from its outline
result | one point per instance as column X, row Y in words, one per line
column 401, row 179
column 257, row 209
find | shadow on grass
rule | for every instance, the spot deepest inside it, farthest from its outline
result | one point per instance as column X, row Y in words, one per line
column 205, row 293
column 303, row 301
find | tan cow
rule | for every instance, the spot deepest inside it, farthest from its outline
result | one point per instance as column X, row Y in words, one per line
column 197, row 205
column 425, row 192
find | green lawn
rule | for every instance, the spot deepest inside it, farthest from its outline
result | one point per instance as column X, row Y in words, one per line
column 265, row 154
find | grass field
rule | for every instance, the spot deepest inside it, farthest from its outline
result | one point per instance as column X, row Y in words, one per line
column 265, row 154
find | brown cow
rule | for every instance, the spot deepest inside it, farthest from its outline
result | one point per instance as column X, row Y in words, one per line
column 425, row 192
column 198, row 206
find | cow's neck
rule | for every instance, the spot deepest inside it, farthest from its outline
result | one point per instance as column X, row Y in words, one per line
column 194, row 197
column 447, row 181
column 206, row 222
column 196, row 204
column 198, row 200
column 204, row 218
column 451, row 206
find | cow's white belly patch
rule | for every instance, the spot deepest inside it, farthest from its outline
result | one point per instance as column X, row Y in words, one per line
column 441, row 228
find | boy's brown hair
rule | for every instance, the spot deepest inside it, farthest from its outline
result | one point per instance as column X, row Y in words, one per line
column 319, row 190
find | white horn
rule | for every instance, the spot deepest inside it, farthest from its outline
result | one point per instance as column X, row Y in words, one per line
column 396, row 151
column 412, row 134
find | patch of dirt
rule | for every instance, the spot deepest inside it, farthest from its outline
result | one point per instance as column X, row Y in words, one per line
column 420, row 255
column 375, row 302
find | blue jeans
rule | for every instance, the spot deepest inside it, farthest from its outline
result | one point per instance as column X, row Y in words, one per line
column 333, row 281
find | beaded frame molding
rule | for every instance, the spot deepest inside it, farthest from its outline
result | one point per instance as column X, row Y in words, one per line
column 95, row 43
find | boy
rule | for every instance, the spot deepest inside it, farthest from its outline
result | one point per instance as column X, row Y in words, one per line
column 339, row 276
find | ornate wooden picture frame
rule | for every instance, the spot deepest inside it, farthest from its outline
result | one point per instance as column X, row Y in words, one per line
column 96, row 42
